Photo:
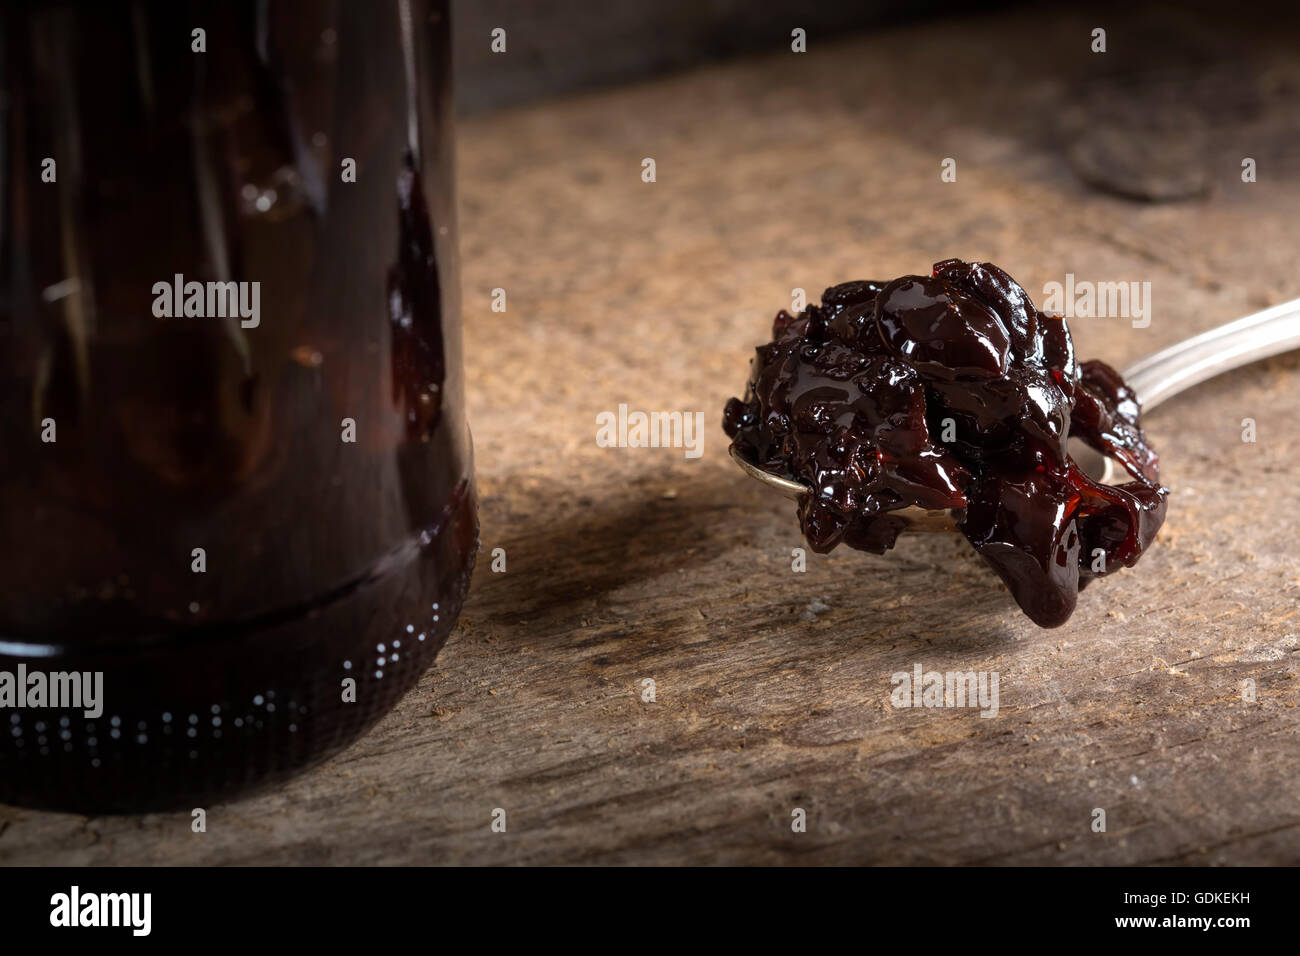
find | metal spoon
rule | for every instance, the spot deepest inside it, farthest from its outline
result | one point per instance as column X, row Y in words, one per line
column 1154, row 378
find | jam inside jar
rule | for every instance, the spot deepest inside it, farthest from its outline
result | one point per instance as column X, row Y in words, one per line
column 235, row 472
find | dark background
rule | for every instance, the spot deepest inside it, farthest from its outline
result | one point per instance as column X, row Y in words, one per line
column 563, row 46
column 559, row 46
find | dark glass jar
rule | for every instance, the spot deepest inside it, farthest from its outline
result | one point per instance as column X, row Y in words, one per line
column 258, row 527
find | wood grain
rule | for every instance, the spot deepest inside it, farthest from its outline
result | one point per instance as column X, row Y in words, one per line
column 773, row 686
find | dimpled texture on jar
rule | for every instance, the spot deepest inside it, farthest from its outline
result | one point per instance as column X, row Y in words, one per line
column 953, row 391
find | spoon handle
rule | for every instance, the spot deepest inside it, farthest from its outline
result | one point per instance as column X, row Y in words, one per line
column 1169, row 371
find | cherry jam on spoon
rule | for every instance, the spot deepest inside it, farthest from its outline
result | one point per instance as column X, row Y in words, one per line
column 949, row 402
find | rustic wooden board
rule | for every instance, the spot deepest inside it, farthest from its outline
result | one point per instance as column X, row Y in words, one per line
column 773, row 686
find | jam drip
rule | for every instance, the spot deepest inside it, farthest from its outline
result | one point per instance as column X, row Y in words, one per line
column 952, row 391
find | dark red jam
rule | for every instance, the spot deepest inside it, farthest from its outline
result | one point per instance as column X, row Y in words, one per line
column 952, row 391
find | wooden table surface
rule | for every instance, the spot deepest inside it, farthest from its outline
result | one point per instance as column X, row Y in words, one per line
column 772, row 687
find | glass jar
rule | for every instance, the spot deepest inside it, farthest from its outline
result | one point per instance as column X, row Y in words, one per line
column 235, row 471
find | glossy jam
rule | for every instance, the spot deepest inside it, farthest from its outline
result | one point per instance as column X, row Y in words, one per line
column 233, row 521
column 952, row 391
